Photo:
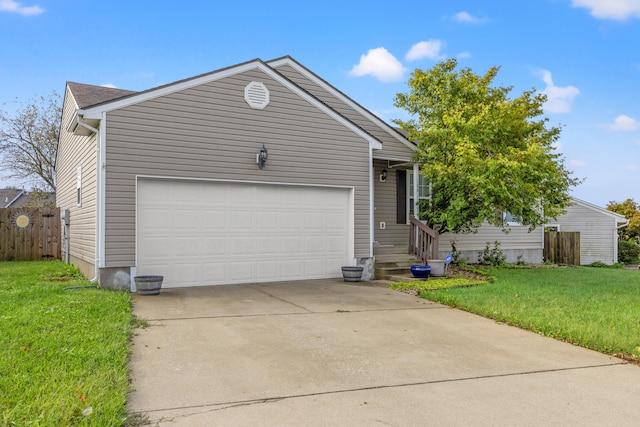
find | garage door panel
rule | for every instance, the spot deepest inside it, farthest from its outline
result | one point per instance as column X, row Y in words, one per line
column 156, row 247
column 214, row 218
column 266, row 246
column 267, row 270
column 214, row 246
column 240, row 219
column 185, row 272
column 314, row 221
column 187, row 219
column 290, row 269
column 314, row 244
column 334, row 244
column 203, row 233
column 291, row 245
column 186, row 248
column 241, row 271
column 336, row 221
column 267, row 221
column 159, row 221
column 215, row 271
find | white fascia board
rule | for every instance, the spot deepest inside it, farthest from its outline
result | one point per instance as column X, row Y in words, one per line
column 345, row 99
column 96, row 112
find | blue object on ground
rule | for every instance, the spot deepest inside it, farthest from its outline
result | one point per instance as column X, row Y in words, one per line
column 420, row 271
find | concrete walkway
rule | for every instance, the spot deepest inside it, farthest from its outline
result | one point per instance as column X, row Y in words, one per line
column 328, row 353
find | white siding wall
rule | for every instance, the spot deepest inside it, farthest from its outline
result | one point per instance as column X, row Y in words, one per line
column 209, row 132
column 73, row 152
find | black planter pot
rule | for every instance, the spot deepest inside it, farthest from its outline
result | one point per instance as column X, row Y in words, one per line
column 352, row 273
column 148, row 285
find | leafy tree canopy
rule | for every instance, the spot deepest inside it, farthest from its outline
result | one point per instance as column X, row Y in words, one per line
column 29, row 141
column 630, row 209
column 483, row 153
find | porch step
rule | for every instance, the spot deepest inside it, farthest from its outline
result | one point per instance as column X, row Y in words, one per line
column 392, row 266
column 389, row 250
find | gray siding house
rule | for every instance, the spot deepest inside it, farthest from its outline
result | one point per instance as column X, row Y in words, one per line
column 166, row 181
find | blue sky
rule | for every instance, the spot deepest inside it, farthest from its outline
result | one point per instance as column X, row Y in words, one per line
column 583, row 53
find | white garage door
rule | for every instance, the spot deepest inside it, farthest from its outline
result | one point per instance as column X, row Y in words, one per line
column 205, row 233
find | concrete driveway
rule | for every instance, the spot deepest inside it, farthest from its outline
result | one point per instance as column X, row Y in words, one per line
column 328, row 353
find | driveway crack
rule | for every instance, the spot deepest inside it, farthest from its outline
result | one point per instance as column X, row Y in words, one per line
column 282, row 299
column 214, row 407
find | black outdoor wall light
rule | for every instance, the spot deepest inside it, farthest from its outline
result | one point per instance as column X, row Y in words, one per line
column 383, row 176
column 262, row 156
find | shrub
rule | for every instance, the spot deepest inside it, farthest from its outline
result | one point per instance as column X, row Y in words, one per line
column 492, row 256
column 458, row 259
column 628, row 252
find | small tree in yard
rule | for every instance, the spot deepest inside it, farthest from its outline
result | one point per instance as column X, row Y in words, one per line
column 29, row 141
column 483, row 153
column 631, row 210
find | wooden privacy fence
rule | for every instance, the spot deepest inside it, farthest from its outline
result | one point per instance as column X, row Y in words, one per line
column 562, row 247
column 28, row 234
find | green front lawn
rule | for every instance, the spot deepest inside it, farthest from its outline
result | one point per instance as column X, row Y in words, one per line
column 64, row 348
column 596, row 308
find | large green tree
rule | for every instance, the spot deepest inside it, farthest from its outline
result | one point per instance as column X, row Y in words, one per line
column 630, row 209
column 29, row 141
column 484, row 153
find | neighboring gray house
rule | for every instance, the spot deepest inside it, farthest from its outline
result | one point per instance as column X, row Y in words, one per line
column 16, row 198
column 168, row 180
column 11, row 197
column 598, row 229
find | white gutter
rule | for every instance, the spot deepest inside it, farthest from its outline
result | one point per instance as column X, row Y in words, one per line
column 616, row 238
column 99, row 180
column 102, row 190
column 416, row 189
column 623, row 225
column 371, row 201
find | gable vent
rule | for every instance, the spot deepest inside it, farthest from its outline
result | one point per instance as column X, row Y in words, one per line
column 257, row 95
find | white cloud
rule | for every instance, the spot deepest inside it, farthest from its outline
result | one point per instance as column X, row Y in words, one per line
column 15, row 7
column 111, row 85
column 466, row 17
column 610, row 9
column 559, row 99
column 632, row 168
column 429, row 49
column 462, row 55
column 624, row 123
column 578, row 164
column 380, row 64
column 636, row 141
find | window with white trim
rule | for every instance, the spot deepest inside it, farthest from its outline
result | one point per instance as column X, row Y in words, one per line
column 509, row 219
column 424, row 192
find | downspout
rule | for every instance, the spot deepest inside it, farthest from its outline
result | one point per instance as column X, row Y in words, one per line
column 616, row 237
column 416, row 190
column 98, row 204
column 371, row 202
